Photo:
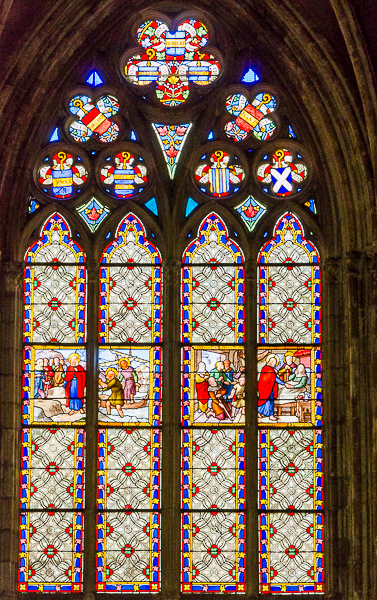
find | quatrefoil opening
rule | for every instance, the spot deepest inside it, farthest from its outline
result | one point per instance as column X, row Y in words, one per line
column 252, row 116
column 122, row 174
column 283, row 172
column 61, row 175
column 220, row 173
column 172, row 59
column 93, row 119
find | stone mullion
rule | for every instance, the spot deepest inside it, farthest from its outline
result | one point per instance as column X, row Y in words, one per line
column 171, row 434
column 91, row 432
column 11, row 418
column 251, row 431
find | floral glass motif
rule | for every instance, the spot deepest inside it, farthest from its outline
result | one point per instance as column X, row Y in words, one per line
column 93, row 118
column 54, row 394
column 128, row 478
column 129, row 395
column 51, row 552
column 52, row 468
column 64, row 178
column 216, row 177
column 172, row 59
column 250, row 116
column 121, row 178
column 213, row 409
column 290, row 413
column 281, row 176
column 130, row 287
column 93, row 213
column 289, row 287
column 250, row 211
column 171, row 139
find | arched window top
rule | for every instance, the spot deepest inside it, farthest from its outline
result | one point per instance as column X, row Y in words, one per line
column 288, row 243
column 131, row 244
column 213, row 244
column 55, row 244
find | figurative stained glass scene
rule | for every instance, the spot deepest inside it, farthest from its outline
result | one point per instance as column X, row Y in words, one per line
column 217, row 175
column 289, row 385
column 93, row 118
column 284, row 174
column 214, row 385
column 173, row 60
column 55, row 384
column 129, row 385
column 251, row 116
column 213, row 405
column 54, row 394
column 61, row 175
column 123, row 175
column 290, row 413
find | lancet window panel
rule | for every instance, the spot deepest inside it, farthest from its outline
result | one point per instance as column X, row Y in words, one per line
column 54, row 411
column 289, row 364
column 129, row 413
column 213, row 412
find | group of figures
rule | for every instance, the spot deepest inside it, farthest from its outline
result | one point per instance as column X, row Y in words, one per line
column 283, row 390
column 220, row 386
column 123, row 385
column 59, row 384
column 284, row 386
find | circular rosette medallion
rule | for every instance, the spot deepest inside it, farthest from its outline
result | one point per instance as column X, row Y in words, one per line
column 283, row 172
column 220, row 173
column 123, row 173
column 62, row 174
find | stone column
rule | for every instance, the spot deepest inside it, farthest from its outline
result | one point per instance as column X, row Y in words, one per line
column 11, row 277
column 171, row 436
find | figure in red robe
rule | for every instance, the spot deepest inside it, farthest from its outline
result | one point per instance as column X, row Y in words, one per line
column 268, row 387
column 74, row 383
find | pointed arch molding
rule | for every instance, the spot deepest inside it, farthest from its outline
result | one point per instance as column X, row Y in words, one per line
column 49, row 59
column 316, row 81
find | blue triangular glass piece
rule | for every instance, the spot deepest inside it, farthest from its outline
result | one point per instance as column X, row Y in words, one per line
column 33, row 206
column 190, row 206
column 210, row 136
column 55, row 137
column 291, row 132
column 152, row 205
column 108, row 235
column 250, row 76
column 311, row 205
column 94, row 79
column 133, row 136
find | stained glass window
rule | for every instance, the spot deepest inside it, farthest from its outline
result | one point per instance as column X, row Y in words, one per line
column 54, row 406
column 290, row 412
column 213, row 412
column 104, row 386
column 129, row 413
